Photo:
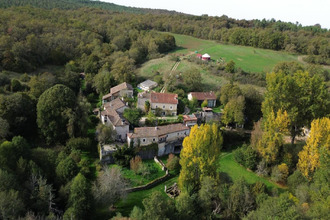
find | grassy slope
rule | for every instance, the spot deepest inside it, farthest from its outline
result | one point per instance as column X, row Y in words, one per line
column 248, row 58
column 235, row 171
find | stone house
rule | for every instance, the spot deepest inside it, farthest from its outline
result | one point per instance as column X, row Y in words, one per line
column 165, row 103
column 119, row 91
column 169, row 138
column 112, row 115
column 147, row 85
column 190, row 120
column 201, row 96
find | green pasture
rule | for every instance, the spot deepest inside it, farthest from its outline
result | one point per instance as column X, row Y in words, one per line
column 235, row 171
column 248, row 58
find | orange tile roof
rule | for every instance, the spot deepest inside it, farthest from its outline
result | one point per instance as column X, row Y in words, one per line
column 168, row 98
column 201, row 96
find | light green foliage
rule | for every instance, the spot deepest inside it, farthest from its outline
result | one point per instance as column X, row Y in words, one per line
column 234, row 111
column 185, row 205
column 192, row 79
column 136, row 214
column 303, row 96
column 228, row 92
column 103, row 81
column 39, row 84
column 204, row 103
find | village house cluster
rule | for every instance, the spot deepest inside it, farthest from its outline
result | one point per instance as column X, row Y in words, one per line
column 169, row 137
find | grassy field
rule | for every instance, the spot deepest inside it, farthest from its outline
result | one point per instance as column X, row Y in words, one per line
column 235, row 171
column 248, row 58
column 138, row 180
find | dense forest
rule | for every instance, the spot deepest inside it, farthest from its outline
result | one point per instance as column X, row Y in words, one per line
column 269, row 34
column 49, row 167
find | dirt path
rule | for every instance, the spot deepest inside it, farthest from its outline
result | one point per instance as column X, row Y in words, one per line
column 174, row 69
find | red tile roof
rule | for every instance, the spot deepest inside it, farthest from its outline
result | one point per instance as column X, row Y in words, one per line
column 122, row 86
column 168, row 98
column 201, row 96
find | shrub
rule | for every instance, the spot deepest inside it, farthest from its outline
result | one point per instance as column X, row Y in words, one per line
column 135, row 163
column 123, row 155
column 276, row 174
column 246, row 156
column 295, row 180
column 284, row 171
column 83, row 144
column 204, row 104
column 173, row 162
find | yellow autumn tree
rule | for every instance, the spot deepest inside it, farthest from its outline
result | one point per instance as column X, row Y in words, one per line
column 199, row 156
column 317, row 145
column 274, row 128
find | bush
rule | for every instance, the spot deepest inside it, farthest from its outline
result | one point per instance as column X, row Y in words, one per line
column 83, row 144
column 135, row 163
column 173, row 162
column 295, row 180
column 246, row 156
column 123, row 155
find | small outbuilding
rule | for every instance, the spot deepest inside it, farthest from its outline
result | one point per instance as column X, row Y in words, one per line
column 199, row 56
column 147, row 85
column 206, row 57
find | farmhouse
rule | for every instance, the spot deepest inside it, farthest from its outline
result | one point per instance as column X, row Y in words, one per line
column 112, row 115
column 201, row 96
column 168, row 138
column 199, row 56
column 165, row 103
column 121, row 90
column 206, row 57
column 147, row 85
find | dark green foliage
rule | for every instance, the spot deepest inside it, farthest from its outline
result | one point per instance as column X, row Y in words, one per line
column 4, row 80
column 46, row 160
column 11, row 205
column 281, row 207
column 241, row 200
column 157, row 208
column 123, row 155
column 80, row 199
column 54, row 111
column 66, row 170
column 246, row 156
column 173, row 163
column 230, row 67
column 19, row 111
column 133, row 115
column 7, row 181
column 295, row 180
column 83, row 144
column 16, row 86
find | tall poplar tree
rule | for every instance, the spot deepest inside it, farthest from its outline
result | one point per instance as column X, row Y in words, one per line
column 199, row 156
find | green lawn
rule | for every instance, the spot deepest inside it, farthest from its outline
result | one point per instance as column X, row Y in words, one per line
column 235, row 171
column 248, row 58
column 138, row 180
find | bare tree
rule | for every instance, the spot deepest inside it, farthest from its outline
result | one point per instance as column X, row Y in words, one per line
column 110, row 186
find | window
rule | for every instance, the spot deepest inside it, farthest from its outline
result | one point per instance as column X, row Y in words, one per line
column 154, row 139
column 178, row 134
column 171, row 107
column 156, row 106
column 163, row 106
column 143, row 140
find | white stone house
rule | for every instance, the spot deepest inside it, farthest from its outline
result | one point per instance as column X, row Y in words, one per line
column 169, row 138
column 119, row 91
column 166, row 103
column 147, row 85
column 112, row 115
